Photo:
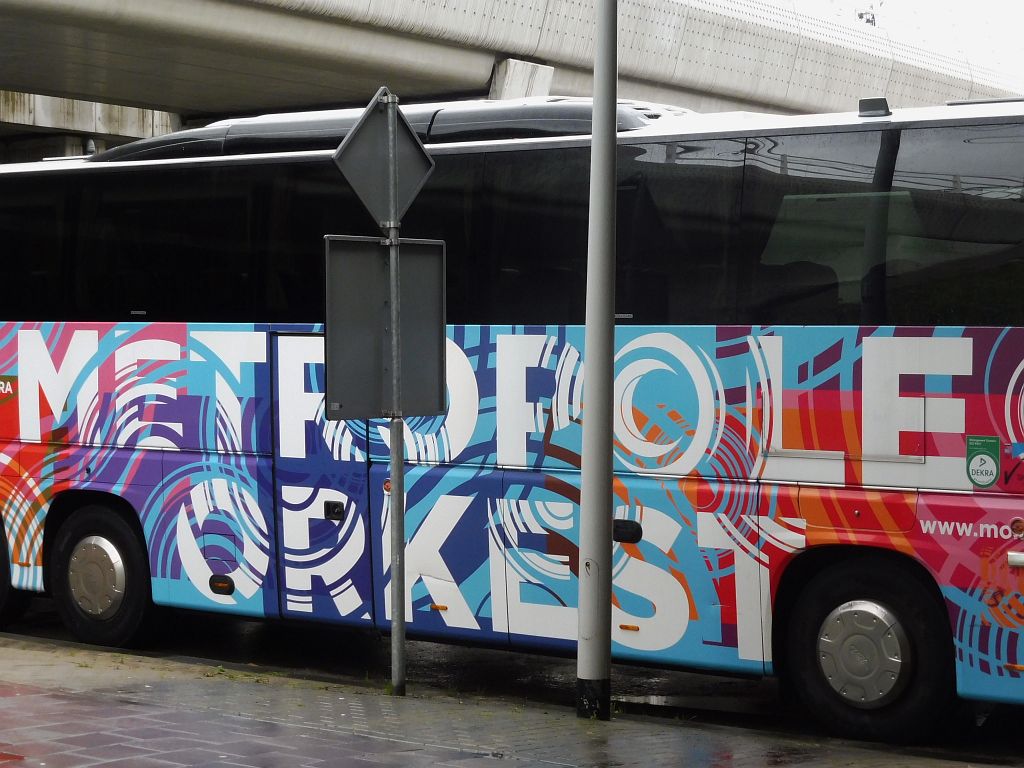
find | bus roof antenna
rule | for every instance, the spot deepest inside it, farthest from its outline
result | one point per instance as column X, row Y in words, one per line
column 874, row 107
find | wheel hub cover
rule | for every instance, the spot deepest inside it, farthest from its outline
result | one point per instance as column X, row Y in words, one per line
column 864, row 653
column 96, row 577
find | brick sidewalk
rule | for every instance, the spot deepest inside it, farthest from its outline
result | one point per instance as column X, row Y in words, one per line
column 66, row 706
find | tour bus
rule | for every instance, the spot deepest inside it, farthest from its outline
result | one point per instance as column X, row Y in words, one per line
column 819, row 393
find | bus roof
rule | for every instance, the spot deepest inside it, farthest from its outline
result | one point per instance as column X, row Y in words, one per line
column 538, row 119
column 535, row 120
column 757, row 123
column 435, row 123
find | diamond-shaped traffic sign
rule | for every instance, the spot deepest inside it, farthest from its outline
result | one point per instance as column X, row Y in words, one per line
column 364, row 159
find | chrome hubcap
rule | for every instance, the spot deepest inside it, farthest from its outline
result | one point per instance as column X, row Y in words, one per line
column 864, row 653
column 96, row 577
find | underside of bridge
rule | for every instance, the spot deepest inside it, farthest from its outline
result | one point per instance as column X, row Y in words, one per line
column 105, row 71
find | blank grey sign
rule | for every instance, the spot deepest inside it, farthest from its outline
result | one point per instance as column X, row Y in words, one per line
column 362, row 158
column 358, row 358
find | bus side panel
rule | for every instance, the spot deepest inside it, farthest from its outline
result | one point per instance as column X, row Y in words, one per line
column 878, row 406
column 202, row 392
column 783, row 537
column 213, row 515
column 902, row 407
column 33, row 475
column 324, row 546
column 687, row 594
column 966, row 542
column 453, row 578
column 88, row 403
column 687, row 401
column 171, row 386
column 201, row 515
column 537, row 520
column 21, row 518
column 322, row 509
column 468, row 432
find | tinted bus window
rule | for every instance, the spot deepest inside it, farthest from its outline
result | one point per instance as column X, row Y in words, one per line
column 298, row 204
column 164, row 244
column 962, row 262
column 451, row 208
column 811, row 208
column 232, row 243
column 678, row 212
column 516, row 225
column 903, row 227
column 536, row 235
column 32, row 233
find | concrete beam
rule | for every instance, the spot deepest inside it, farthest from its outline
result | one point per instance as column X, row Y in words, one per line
column 34, row 112
column 515, row 79
column 206, row 58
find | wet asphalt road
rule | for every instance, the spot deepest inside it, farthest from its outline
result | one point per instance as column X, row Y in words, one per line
column 361, row 658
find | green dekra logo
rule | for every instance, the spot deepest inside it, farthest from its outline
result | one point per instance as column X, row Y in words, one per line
column 982, row 460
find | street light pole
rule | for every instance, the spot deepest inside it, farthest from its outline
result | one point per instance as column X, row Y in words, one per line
column 593, row 667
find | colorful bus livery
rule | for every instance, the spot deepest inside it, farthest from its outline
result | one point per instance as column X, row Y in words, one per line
column 818, row 410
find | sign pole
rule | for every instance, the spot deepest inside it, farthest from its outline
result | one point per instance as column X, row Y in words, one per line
column 593, row 661
column 397, row 424
column 384, row 139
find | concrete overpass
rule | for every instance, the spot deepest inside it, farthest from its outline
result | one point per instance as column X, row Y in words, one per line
column 111, row 70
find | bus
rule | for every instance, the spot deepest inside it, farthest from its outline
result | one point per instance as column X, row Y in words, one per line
column 818, row 417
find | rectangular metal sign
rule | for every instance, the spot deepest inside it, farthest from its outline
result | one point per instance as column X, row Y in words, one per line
column 357, row 345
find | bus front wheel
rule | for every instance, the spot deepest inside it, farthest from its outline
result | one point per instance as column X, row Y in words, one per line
column 869, row 652
column 101, row 583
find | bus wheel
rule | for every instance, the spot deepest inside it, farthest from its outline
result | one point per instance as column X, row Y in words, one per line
column 869, row 652
column 13, row 602
column 101, row 581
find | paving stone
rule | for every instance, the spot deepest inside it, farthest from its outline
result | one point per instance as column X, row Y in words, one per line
column 137, row 762
column 61, row 714
column 254, row 747
column 65, row 760
column 175, row 743
column 194, row 756
column 93, row 740
column 148, row 732
column 114, row 752
column 37, row 748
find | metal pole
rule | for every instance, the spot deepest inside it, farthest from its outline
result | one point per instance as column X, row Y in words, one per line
column 397, row 425
column 593, row 666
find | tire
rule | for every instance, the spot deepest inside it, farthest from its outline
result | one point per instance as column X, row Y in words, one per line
column 869, row 652
column 101, row 579
column 13, row 602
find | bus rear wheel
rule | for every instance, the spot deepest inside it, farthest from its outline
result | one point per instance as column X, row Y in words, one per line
column 13, row 602
column 869, row 652
column 101, row 581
